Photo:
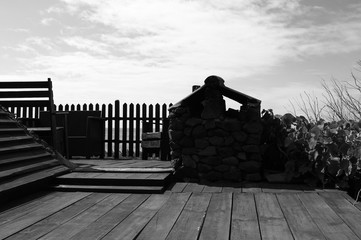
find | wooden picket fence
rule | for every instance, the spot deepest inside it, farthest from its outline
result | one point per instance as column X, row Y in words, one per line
column 124, row 123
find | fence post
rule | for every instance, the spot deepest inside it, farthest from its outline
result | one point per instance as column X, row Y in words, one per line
column 125, row 128
column 110, row 130
column 131, row 130
column 116, row 126
column 137, row 130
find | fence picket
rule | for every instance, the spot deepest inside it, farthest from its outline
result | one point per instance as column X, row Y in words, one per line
column 124, row 126
column 116, row 129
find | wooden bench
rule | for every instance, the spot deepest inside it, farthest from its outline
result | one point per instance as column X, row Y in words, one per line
column 85, row 132
column 155, row 142
column 23, row 98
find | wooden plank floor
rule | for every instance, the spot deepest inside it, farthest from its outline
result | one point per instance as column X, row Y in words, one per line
column 186, row 211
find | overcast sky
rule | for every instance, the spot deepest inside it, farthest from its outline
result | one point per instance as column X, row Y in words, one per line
column 155, row 50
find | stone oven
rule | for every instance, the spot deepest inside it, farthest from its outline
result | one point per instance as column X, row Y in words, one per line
column 210, row 143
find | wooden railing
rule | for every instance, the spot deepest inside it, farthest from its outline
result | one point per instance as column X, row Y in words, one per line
column 124, row 123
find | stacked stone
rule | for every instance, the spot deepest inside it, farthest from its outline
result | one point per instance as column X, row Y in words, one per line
column 217, row 145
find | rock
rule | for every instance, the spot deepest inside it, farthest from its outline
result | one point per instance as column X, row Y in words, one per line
column 211, row 160
column 253, row 127
column 208, row 151
column 175, row 153
column 193, row 122
column 209, row 124
column 174, row 145
column 216, row 141
column 175, row 135
column 225, row 152
column 213, row 108
column 201, row 143
column 242, row 115
column 186, row 142
column 253, row 177
column 253, row 139
column 251, row 148
column 221, row 168
column 240, row 136
column 204, row 168
column 188, row 161
column 242, row 156
column 181, row 110
column 232, row 125
column 190, row 172
column 213, row 176
column 189, row 151
column 238, row 147
column 214, row 81
column 230, row 161
column 233, row 174
column 199, row 132
column 228, row 140
column 176, row 124
column 220, row 133
column 188, row 131
column 195, row 158
column 250, row 166
column 256, row 157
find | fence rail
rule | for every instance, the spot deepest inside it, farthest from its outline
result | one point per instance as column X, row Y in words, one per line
column 124, row 123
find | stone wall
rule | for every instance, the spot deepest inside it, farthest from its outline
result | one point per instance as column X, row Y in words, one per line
column 212, row 144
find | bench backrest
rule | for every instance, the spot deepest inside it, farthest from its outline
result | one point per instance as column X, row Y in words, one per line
column 18, row 96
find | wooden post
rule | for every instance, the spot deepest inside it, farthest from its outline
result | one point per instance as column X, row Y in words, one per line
column 116, row 126
column 110, row 130
column 131, row 130
column 125, row 128
column 137, row 130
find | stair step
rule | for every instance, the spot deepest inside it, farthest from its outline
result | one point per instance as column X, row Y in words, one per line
column 115, row 179
column 23, row 147
column 18, row 157
column 117, row 189
column 24, row 169
column 11, row 140
column 7, row 129
column 11, row 132
column 7, row 123
column 14, row 138
column 28, row 183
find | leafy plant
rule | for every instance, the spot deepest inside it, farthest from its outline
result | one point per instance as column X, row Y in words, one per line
column 326, row 154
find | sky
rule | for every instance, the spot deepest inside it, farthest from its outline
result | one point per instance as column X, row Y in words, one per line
column 153, row 51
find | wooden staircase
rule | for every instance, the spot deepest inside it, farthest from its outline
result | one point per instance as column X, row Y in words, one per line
column 25, row 164
column 122, row 182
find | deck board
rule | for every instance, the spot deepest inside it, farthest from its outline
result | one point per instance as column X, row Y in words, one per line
column 349, row 213
column 185, row 211
column 9, row 228
column 50, row 223
column 161, row 224
column 81, row 221
column 218, row 219
column 244, row 218
column 111, row 219
column 299, row 220
column 331, row 225
column 135, row 222
column 272, row 222
column 190, row 220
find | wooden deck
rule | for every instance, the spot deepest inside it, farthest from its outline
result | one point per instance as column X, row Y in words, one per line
column 185, row 211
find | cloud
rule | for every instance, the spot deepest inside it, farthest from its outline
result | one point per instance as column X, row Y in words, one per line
column 130, row 44
column 82, row 43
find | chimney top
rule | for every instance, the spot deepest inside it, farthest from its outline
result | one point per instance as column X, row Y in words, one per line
column 214, row 81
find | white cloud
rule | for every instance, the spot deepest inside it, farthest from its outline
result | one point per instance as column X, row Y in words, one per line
column 131, row 43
